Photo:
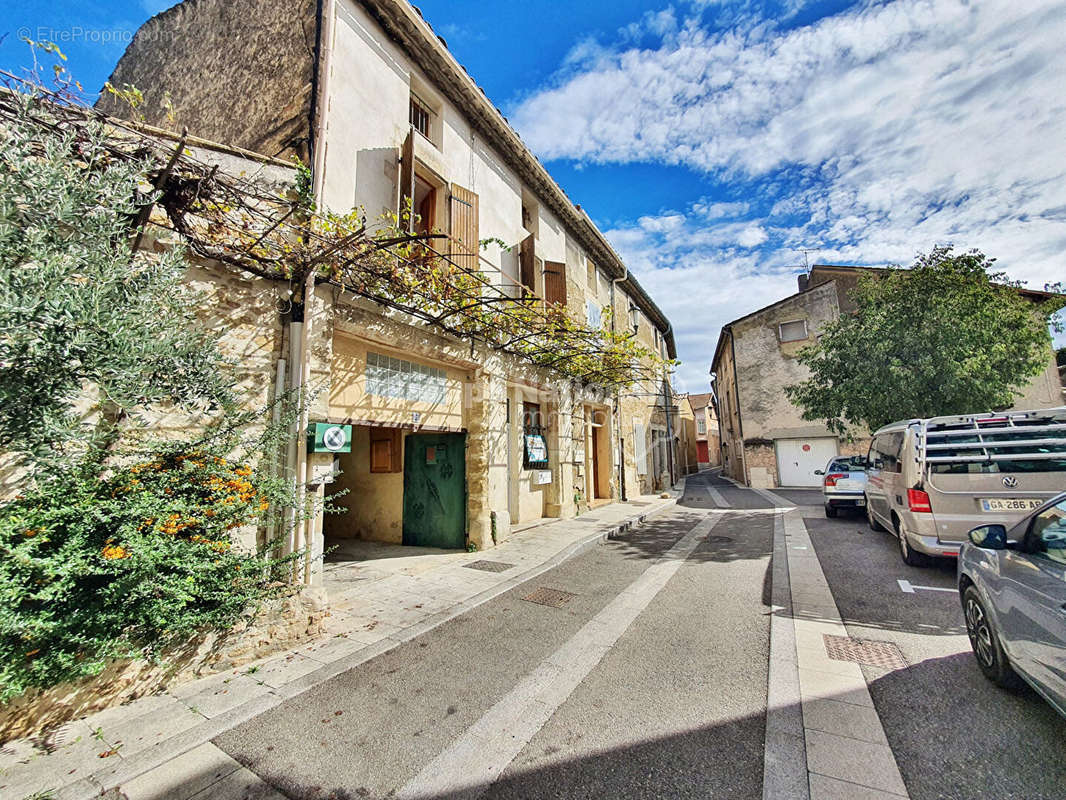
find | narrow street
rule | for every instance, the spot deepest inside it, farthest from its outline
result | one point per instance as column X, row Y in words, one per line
column 689, row 657
column 658, row 687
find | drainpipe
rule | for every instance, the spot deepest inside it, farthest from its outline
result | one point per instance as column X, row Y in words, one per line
column 667, row 396
column 323, row 70
column 618, row 399
column 303, row 528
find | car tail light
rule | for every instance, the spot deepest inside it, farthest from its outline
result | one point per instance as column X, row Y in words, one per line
column 832, row 478
column 917, row 500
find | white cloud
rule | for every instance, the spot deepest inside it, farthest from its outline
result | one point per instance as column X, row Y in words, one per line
column 871, row 134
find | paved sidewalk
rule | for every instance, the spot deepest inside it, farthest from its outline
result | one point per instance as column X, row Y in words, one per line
column 824, row 738
column 147, row 748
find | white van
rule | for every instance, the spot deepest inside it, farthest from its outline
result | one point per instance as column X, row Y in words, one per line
column 931, row 480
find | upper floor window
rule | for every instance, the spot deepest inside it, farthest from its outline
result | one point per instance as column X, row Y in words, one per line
column 420, row 115
column 701, row 427
column 795, row 331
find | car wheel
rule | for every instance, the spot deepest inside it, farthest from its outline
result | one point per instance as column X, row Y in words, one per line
column 985, row 642
column 910, row 556
column 830, row 511
column 871, row 520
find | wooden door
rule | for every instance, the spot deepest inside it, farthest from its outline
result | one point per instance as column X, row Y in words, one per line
column 434, row 490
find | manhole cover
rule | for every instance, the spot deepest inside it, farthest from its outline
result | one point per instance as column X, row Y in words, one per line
column 864, row 651
column 489, row 566
column 556, row 598
column 719, row 539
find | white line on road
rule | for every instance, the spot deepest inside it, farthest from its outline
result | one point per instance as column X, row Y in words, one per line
column 908, row 588
column 716, row 496
column 470, row 765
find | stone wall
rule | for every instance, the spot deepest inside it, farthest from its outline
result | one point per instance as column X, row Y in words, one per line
column 233, row 71
column 282, row 624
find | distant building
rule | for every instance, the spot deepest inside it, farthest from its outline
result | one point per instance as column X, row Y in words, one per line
column 708, row 440
column 765, row 440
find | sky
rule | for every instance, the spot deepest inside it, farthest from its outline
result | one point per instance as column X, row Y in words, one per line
column 721, row 143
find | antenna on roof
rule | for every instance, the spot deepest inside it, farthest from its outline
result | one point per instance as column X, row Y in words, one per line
column 806, row 265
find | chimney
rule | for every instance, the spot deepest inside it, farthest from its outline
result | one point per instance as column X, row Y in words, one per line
column 803, row 279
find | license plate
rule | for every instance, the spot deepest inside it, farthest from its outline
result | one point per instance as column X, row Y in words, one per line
column 860, row 502
column 1009, row 504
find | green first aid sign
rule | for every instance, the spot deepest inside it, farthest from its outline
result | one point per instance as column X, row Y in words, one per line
column 325, row 437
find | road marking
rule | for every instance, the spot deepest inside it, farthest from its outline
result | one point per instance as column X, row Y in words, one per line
column 782, row 503
column 716, row 496
column 908, row 588
column 474, row 761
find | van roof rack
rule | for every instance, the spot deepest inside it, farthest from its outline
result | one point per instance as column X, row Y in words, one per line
column 1040, row 435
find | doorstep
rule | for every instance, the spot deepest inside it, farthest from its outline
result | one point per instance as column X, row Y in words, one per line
column 369, row 618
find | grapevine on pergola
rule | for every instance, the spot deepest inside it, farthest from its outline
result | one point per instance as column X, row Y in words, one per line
column 274, row 232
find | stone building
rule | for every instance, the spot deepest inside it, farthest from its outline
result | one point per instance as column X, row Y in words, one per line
column 765, row 440
column 708, row 443
column 452, row 443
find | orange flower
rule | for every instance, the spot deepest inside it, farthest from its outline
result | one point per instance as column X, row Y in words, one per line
column 115, row 551
column 30, row 533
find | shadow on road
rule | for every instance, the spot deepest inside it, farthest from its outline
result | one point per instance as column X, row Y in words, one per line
column 956, row 735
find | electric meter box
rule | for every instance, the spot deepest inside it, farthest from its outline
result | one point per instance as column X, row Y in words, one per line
column 326, row 437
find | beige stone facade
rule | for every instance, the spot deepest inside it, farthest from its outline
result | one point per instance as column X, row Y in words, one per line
column 391, row 118
column 765, row 440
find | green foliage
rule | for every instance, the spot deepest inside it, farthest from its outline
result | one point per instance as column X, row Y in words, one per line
column 81, row 316
column 123, row 565
column 947, row 336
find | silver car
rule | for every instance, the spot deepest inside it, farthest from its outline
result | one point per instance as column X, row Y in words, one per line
column 1012, row 582
column 843, row 483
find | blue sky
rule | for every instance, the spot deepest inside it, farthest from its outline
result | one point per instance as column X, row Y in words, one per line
column 715, row 140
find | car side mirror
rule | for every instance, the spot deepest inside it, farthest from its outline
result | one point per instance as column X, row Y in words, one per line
column 819, row 472
column 990, row 537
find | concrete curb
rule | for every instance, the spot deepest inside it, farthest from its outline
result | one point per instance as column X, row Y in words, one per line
column 115, row 776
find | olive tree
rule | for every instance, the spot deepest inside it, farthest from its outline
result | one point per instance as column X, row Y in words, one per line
column 90, row 331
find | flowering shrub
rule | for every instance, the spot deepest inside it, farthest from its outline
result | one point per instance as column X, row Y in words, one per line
column 94, row 568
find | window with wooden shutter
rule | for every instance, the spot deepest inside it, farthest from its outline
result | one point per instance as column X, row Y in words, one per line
column 555, row 282
column 527, row 271
column 463, row 213
column 407, row 182
column 385, row 450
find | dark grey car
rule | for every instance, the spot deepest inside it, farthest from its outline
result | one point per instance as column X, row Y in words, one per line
column 1013, row 588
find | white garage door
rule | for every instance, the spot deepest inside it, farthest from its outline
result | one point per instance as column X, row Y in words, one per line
column 797, row 459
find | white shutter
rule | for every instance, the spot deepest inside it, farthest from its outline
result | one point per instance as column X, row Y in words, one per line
column 640, row 448
column 595, row 315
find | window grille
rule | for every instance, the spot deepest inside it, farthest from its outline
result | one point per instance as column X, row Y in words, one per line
column 420, row 115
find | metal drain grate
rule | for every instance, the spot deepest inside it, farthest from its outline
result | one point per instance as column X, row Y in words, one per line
column 489, row 566
column 864, row 651
column 556, row 598
column 719, row 539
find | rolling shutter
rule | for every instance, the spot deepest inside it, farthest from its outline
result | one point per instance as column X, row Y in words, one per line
column 463, row 213
column 407, row 179
column 555, row 282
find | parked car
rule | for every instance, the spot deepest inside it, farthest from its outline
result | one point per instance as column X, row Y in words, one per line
column 930, row 481
column 1012, row 582
column 843, row 484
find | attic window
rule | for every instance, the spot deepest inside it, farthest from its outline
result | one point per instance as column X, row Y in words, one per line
column 420, row 115
column 795, row 331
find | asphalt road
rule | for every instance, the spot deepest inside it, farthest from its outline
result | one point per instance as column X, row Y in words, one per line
column 675, row 709
column 954, row 734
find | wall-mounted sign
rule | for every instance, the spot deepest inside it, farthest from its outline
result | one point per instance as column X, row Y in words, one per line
column 579, row 456
column 542, row 476
column 536, row 454
column 324, row 437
